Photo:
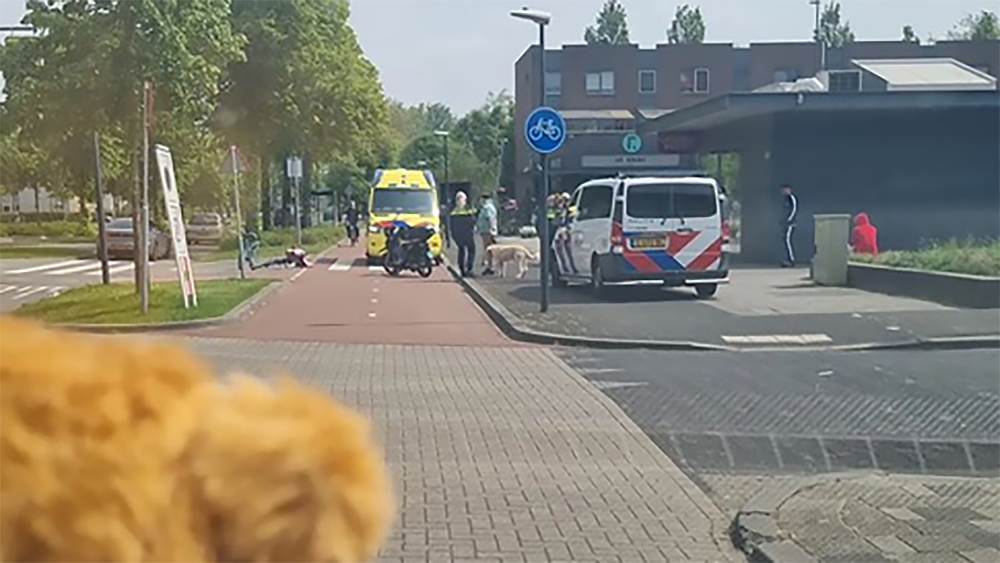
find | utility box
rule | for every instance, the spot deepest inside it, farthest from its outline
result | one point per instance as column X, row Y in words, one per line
column 832, row 232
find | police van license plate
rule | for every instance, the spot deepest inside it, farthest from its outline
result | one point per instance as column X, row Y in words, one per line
column 641, row 243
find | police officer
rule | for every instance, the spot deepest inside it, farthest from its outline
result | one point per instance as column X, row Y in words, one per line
column 463, row 232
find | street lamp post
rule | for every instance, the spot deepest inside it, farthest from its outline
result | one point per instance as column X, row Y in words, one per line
column 819, row 37
column 445, row 202
column 541, row 19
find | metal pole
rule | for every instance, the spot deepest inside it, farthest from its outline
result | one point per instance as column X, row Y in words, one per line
column 144, row 206
column 819, row 36
column 447, row 197
column 239, row 217
column 298, row 212
column 543, row 231
column 102, row 249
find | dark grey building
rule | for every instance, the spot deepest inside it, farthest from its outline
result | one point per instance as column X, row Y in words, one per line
column 606, row 91
column 915, row 143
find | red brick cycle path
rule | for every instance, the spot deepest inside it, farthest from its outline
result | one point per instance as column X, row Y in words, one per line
column 361, row 305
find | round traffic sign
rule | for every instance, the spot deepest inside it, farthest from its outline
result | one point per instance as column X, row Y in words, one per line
column 632, row 143
column 545, row 130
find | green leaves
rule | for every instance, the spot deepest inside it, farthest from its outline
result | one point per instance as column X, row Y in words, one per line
column 831, row 31
column 983, row 26
column 611, row 27
column 687, row 27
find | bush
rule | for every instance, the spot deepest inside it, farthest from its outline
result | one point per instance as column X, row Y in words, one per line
column 51, row 229
column 968, row 256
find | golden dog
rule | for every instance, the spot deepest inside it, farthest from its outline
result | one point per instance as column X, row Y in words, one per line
column 121, row 450
column 499, row 255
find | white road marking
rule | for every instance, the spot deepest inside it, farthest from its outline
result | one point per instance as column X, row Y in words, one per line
column 339, row 267
column 375, row 289
column 112, row 270
column 43, row 267
column 6, row 288
column 778, row 339
column 371, row 315
column 374, row 268
column 374, row 300
column 589, row 371
column 75, row 269
column 22, row 295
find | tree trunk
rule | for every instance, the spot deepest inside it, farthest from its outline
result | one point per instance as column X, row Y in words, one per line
column 286, row 191
column 38, row 208
column 305, row 190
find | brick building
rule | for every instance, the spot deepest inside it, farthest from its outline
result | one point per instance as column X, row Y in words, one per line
column 604, row 91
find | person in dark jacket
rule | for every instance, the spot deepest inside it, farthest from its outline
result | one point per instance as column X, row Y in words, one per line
column 789, row 220
column 864, row 235
column 463, row 232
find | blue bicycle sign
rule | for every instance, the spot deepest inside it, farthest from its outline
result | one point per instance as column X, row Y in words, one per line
column 545, row 130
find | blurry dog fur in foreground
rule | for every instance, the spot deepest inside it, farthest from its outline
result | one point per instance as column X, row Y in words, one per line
column 119, row 449
column 499, row 255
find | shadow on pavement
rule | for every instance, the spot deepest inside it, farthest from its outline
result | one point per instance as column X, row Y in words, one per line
column 580, row 294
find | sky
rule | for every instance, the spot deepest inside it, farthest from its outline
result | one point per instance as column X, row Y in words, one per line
column 458, row 51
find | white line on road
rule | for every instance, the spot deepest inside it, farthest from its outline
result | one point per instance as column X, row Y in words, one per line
column 617, row 384
column 589, row 371
column 374, row 268
column 371, row 315
column 112, row 270
column 374, row 300
column 778, row 339
column 6, row 288
column 339, row 267
column 38, row 289
column 43, row 267
column 75, row 269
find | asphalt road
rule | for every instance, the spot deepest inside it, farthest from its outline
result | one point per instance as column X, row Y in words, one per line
column 805, row 411
column 760, row 307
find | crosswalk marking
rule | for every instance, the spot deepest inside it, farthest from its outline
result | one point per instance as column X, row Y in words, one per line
column 339, row 266
column 43, row 267
column 74, row 269
column 374, row 268
column 113, row 269
column 23, row 291
column 39, row 289
column 778, row 339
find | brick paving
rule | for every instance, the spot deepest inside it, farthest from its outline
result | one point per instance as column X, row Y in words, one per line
column 905, row 518
column 503, row 454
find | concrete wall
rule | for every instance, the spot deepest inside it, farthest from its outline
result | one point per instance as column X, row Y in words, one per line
column 921, row 175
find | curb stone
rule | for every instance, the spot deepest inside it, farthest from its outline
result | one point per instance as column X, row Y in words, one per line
column 510, row 325
column 755, row 530
column 245, row 309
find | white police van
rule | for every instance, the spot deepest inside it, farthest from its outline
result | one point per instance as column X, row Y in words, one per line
column 648, row 229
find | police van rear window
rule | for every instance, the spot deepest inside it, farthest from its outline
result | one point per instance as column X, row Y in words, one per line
column 671, row 201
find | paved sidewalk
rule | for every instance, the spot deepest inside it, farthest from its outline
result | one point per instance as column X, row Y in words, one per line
column 874, row 518
column 504, row 454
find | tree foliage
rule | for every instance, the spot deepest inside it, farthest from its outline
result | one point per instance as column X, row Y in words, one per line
column 687, row 27
column 909, row 36
column 271, row 77
column 832, row 31
column 611, row 27
column 983, row 26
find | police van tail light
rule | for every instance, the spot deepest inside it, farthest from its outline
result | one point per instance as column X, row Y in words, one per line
column 727, row 235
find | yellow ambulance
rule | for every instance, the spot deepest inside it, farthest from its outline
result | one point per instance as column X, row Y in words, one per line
column 402, row 196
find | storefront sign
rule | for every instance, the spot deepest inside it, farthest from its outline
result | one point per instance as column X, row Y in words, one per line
column 630, row 160
column 683, row 143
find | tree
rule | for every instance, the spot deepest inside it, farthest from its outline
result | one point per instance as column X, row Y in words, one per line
column 488, row 131
column 688, row 26
column 983, row 26
column 463, row 166
column 831, row 31
column 909, row 36
column 304, row 87
column 611, row 27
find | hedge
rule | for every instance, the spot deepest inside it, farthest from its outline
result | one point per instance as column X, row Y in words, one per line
column 978, row 258
column 50, row 229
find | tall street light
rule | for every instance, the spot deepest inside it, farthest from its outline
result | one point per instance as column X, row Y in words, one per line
column 445, row 202
column 541, row 19
column 818, row 35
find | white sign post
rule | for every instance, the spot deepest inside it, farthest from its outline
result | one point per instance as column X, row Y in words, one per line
column 294, row 168
column 235, row 164
column 172, row 202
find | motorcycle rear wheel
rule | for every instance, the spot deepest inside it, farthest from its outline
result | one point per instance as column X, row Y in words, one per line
column 425, row 272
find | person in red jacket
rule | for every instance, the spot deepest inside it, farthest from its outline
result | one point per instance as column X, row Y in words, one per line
column 864, row 235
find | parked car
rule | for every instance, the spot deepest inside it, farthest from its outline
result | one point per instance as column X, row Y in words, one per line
column 205, row 228
column 120, row 238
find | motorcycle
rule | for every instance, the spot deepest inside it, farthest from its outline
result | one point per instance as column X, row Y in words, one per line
column 407, row 248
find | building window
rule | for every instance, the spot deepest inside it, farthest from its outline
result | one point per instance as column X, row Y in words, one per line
column 787, row 75
column 695, row 81
column 647, row 81
column 601, row 83
column 553, row 84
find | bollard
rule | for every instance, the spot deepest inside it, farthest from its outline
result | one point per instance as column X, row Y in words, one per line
column 831, row 234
